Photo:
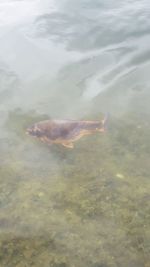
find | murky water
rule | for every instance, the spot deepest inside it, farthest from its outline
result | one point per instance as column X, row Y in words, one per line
column 89, row 206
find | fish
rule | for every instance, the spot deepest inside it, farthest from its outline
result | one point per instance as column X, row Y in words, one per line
column 65, row 132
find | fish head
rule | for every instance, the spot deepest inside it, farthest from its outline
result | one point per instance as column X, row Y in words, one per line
column 34, row 131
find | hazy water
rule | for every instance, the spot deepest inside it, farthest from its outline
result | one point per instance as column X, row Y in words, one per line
column 89, row 206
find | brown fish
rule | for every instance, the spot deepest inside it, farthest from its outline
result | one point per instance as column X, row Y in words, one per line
column 64, row 132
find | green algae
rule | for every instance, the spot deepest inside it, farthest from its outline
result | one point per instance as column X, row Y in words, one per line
column 67, row 208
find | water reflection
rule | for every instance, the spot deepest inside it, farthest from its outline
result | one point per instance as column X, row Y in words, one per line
column 85, row 206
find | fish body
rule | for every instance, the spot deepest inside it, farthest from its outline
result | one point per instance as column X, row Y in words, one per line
column 64, row 132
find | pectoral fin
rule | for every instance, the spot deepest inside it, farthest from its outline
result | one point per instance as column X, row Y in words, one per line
column 68, row 145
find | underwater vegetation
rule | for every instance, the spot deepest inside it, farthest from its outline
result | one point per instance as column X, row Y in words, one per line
column 85, row 207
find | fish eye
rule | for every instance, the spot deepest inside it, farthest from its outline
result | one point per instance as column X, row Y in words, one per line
column 34, row 131
column 37, row 131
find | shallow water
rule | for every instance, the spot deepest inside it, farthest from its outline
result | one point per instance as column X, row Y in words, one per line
column 88, row 206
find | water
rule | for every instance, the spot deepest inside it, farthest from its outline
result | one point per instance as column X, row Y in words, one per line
column 89, row 206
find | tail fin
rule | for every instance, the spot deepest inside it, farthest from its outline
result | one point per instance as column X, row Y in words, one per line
column 105, row 121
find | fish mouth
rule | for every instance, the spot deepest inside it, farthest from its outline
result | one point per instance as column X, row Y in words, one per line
column 29, row 132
